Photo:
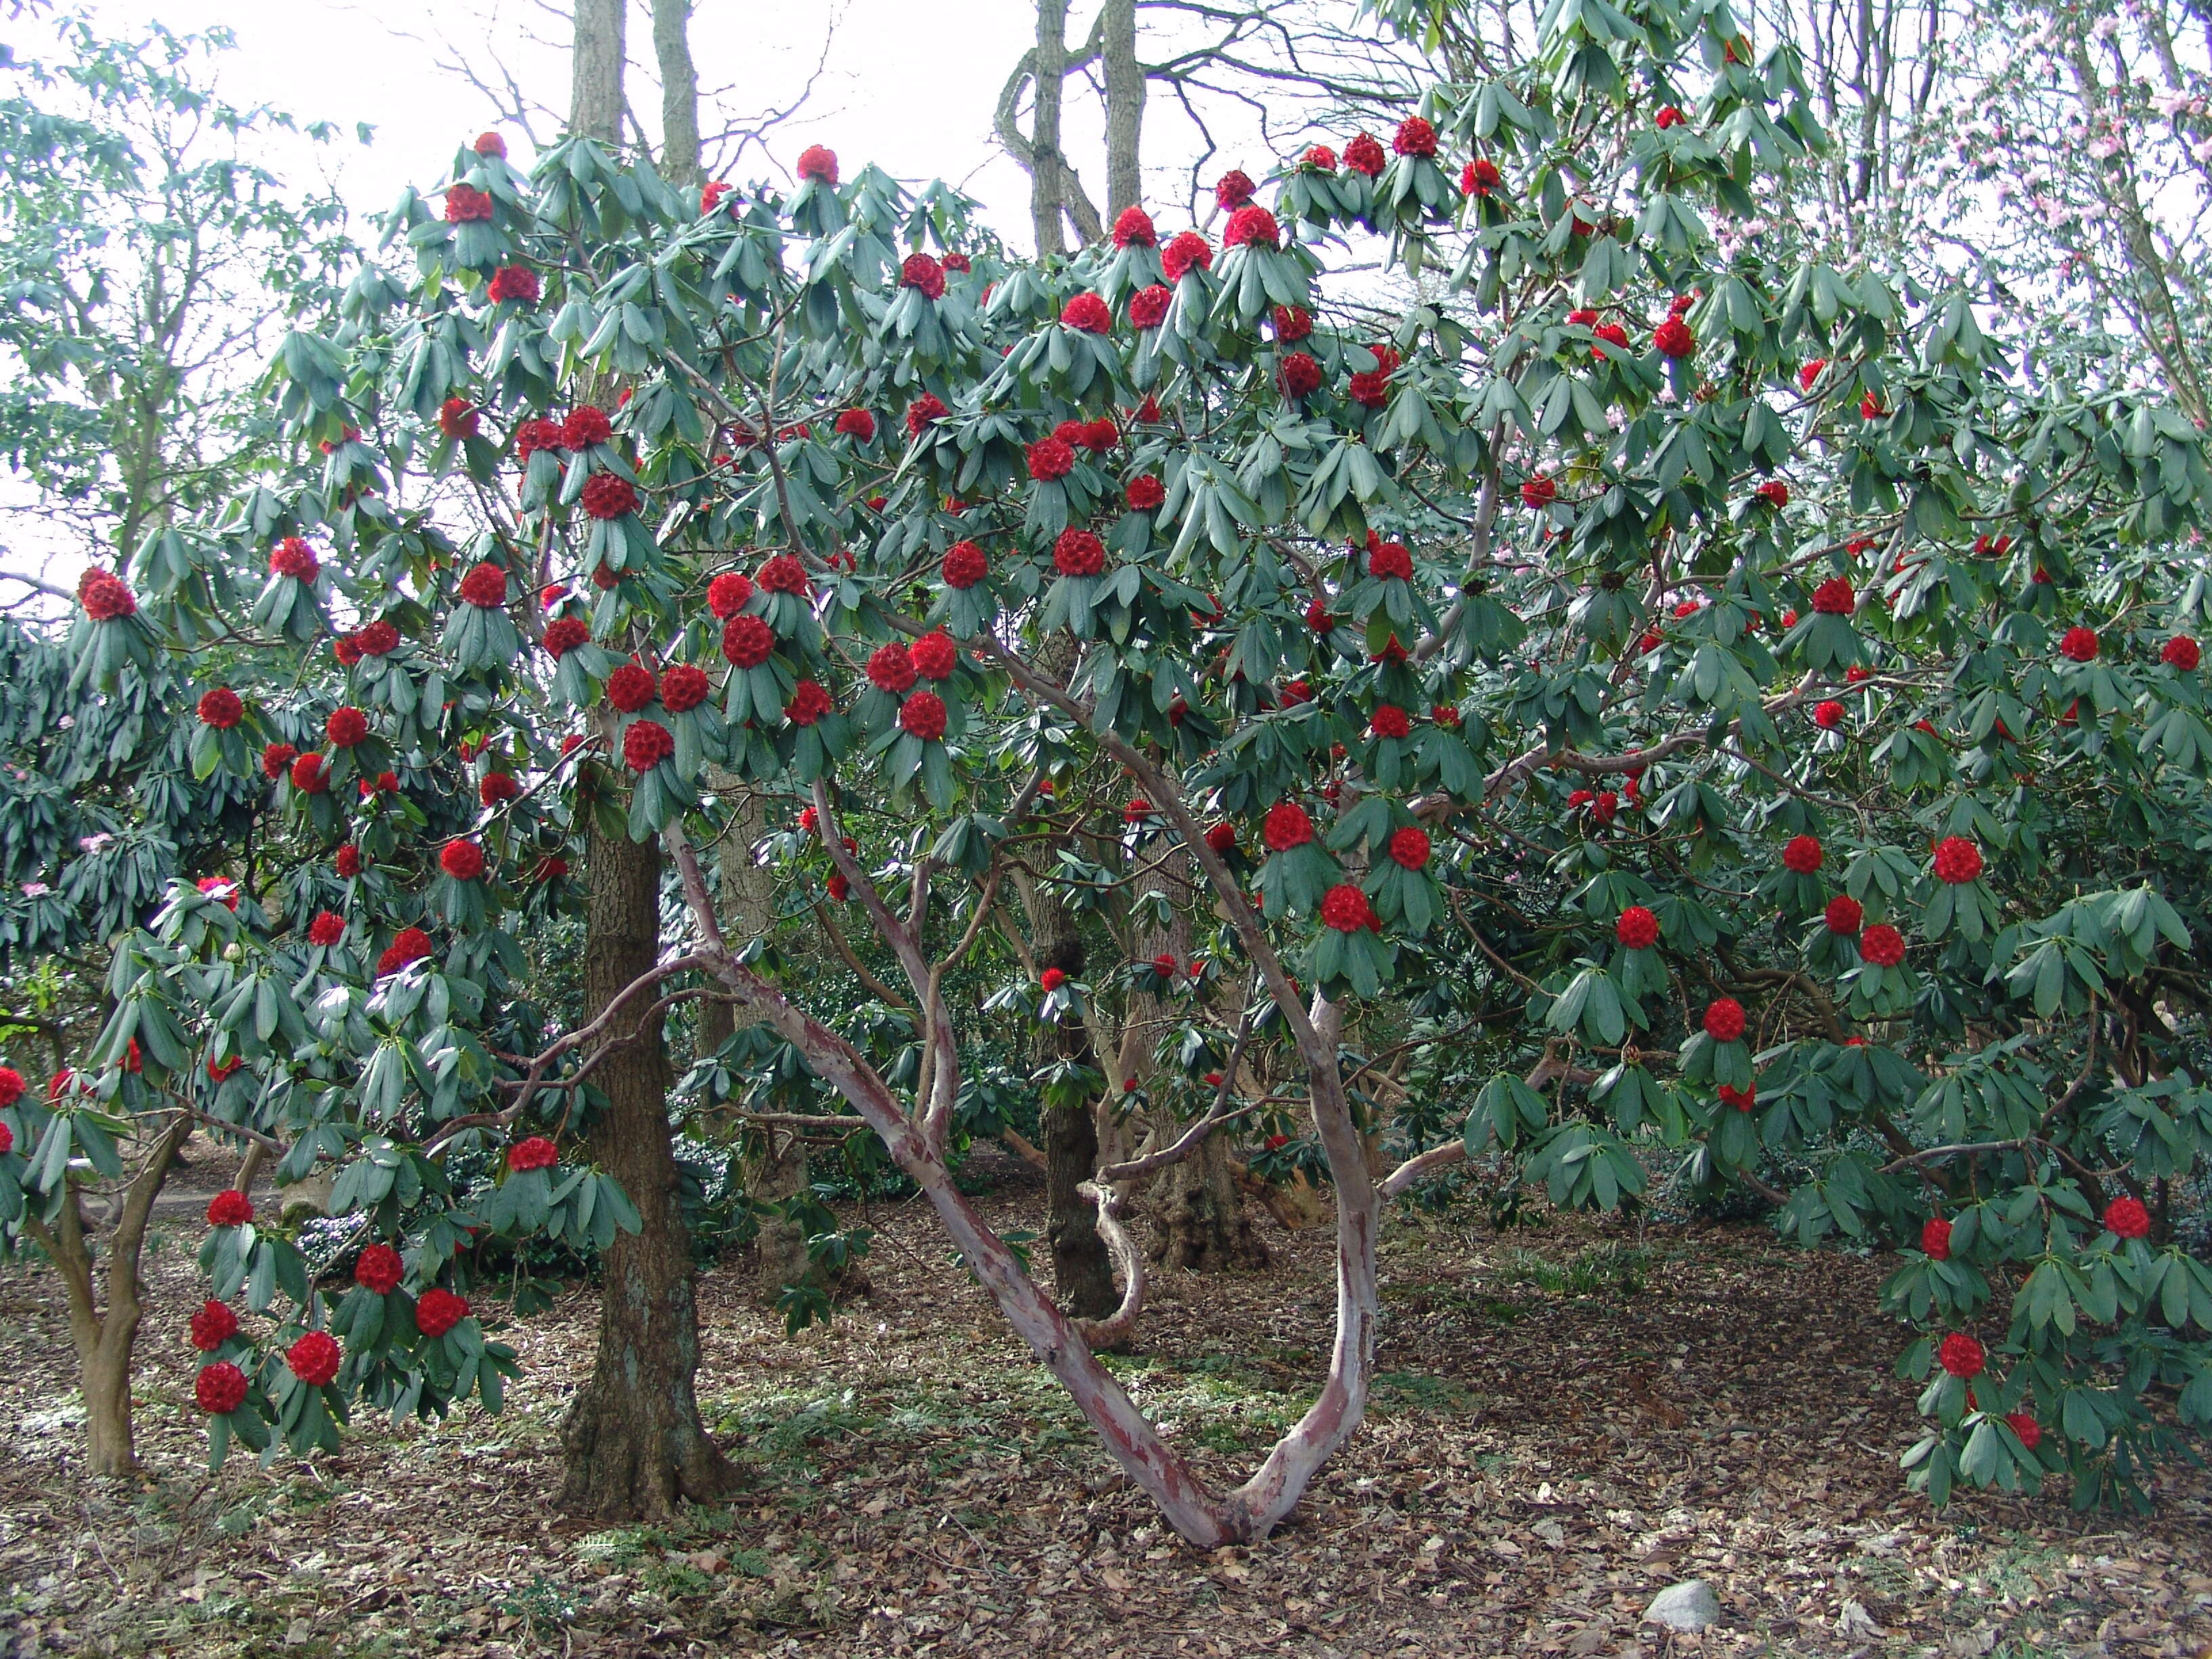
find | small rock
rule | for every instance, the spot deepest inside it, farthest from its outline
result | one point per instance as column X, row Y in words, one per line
column 1691, row 1605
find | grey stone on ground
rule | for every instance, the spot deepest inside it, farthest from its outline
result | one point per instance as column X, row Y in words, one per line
column 1691, row 1605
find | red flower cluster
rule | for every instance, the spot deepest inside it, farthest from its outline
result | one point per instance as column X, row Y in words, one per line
column 965, row 565
column 809, row 703
column 2029, row 1431
column 891, row 669
column 1390, row 721
column 219, row 1388
column 1050, row 459
column 923, row 714
column 1052, row 979
column 485, row 586
column 1363, row 155
column 1389, row 561
column 1638, row 928
column 220, row 708
column 747, row 641
column 564, row 634
column 458, row 418
column 608, row 496
column 439, row 1311
column 683, row 688
column 465, row 203
column 920, row 271
column 1079, row 553
column 1414, row 136
column 631, row 687
column 530, row 436
column 1409, row 847
column 347, row 861
column 1882, row 946
column 308, row 776
column 1286, row 826
column 1148, row 306
column 1936, row 1239
column 464, row 861
column 1844, row 914
column 1185, row 251
column 1674, row 339
column 1132, row 228
column 1479, row 177
column 2079, row 645
column 646, row 745
column 1669, row 116
column 1146, row 494
column 1321, row 158
column 533, row 1152
column 729, row 593
column 103, row 596
column 377, row 639
column 294, row 558
column 1346, row 908
column 229, row 1208
column 587, row 427
column 214, row 1325
column 1775, row 493
column 923, row 411
column 378, row 1270
column 1088, row 313
column 784, row 575
column 1958, row 860
column 1724, row 1020
column 1539, row 491
column 1828, row 715
column 2127, row 1218
column 11, row 1086
column 1299, row 376
column 1803, row 855
column 1810, row 372
column 346, row 726
column 1961, row 1355
column 1222, row 838
column 2181, row 652
column 326, row 929
column 934, row 656
column 518, row 283
column 1252, row 227
column 818, row 161
column 1742, row 1099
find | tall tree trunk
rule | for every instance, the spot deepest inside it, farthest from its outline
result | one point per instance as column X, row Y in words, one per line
column 104, row 1339
column 633, row 1439
column 679, row 91
column 595, row 70
column 1047, row 195
column 1082, row 1271
column 1125, row 106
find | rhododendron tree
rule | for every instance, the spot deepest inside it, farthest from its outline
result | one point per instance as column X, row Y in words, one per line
column 1449, row 693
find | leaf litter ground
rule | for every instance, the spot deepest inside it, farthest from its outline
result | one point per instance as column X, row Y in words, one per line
column 1567, row 1418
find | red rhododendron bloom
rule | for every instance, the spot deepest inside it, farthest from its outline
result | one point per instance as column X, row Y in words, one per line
column 1674, row 339
column 308, row 776
column 1369, row 388
column 326, row 929
column 683, row 688
column 533, row 1152
column 1882, row 946
column 346, row 727
column 1391, row 561
column 220, row 708
column 439, row 1311
column 711, row 194
column 607, row 496
column 891, row 669
column 965, row 565
column 1137, row 811
column 465, row 203
column 1364, row 155
column 1050, row 459
column 784, row 575
column 1252, row 227
column 809, row 703
column 1958, row 860
column 1844, row 914
column 1775, row 493
column 857, row 423
column 294, row 558
column 1803, row 855
column 922, row 411
column 564, row 634
column 1132, row 228
column 1669, row 116
column 2029, row 1431
column 631, row 687
column 1612, row 334
column 1638, row 928
column 2079, row 645
column 1809, row 373
column 1232, row 189
column 1222, row 838
column 518, row 283
column 1299, row 376
column 923, row 714
column 1539, row 491
column 1414, row 136
column 104, row 598
column 1724, row 1020
column 1148, row 306
column 646, row 744
column 1079, row 553
column 934, row 656
column 219, row 1388
column 378, row 1270
column 1390, row 721
column 1345, row 907
column 1185, row 251
column 1869, row 407
column 1479, row 177
column 2181, row 652
column 729, row 593
column 1088, row 313
column 587, row 425
column 214, row 1325
column 347, row 649
column 11, row 1086
column 530, row 436
column 1147, row 494
column 464, row 861
column 458, row 418
column 491, row 144
column 497, row 788
column 1052, row 979
column 840, row 889
column 747, row 641
column 485, row 586
column 1286, row 826
column 1961, row 1355
column 1741, row 1099
column 229, row 1208
column 1321, row 158
column 1409, row 847
column 1936, row 1239
column 377, row 639
column 818, row 161
column 347, row 860
column 412, row 945
column 920, row 271
column 2127, row 1218
column 1828, row 715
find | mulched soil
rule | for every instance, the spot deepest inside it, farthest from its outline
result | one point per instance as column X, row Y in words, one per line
column 1568, row 1419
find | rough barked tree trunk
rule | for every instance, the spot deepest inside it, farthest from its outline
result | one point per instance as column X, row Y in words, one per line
column 1125, row 105
column 1082, row 1272
column 595, row 70
column 1047, row 195
column 679, row 91
column 104, row 1339
column 633, row 1439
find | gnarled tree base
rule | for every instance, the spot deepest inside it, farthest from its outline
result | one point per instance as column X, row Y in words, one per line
column 1203, row 1224
column 633, row 1456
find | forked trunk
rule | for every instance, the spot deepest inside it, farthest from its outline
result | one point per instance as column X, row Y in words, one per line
column 633, row 1440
